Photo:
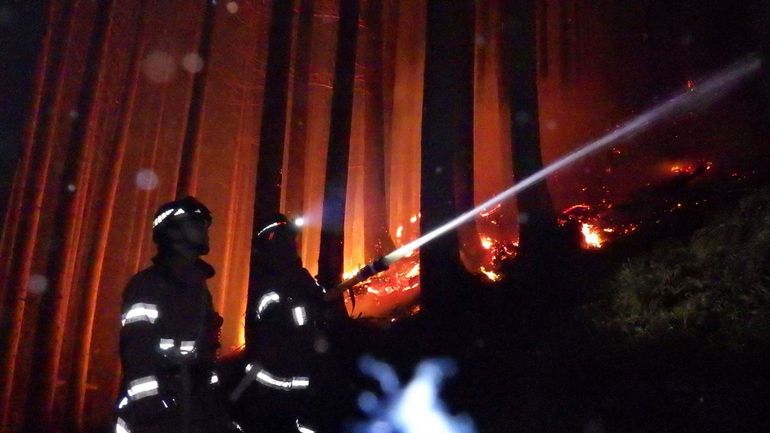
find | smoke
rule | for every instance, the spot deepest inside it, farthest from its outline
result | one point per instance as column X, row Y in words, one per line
column 415, row 408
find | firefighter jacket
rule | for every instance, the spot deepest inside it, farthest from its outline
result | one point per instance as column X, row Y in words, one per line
column 285, row 347
column 284, row 323
column 168, row 342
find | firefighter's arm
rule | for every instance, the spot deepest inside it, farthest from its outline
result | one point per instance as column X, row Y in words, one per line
column 139, row 354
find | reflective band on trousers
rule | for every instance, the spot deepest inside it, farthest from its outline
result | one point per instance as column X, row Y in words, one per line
column 140, row 312
column 121, row 426
column 265, row 301
column 285, row 384
column 303, row 429
column 143, row 387
column 166, row 343
column 300, row 317
column 186, row 347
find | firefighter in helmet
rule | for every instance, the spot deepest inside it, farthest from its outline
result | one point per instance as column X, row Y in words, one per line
column 170, row 332
column 284, row 386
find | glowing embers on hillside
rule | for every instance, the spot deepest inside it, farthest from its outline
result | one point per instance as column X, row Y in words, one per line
column 496, row 252
column 496, row 249
column 596, row 226
column 688, row 169
column 591, row 235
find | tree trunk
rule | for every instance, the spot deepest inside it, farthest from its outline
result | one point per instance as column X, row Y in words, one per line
column 268, row 190
column 330, row 260
column 536, row 213
column 188, row 176
column 447, row 129
column 377, row 241
column 389, row 44
column 295, row 172
column 108, row 197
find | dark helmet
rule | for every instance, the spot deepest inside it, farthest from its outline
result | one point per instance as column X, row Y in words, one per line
column 275, row 242
column 272, row 226
column 172, row 212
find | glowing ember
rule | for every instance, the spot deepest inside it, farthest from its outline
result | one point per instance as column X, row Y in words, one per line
column 591, row 236
column 490, row 212
column 687, row 169
column 414, row 272
column 486, row 242
column 679, row 169
column 597, row 225
column 497, row 251
column 492, row 275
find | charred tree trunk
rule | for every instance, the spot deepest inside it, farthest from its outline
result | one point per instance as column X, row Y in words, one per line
column 536, row 214
column 295, row 172
column 377, row 241
column 330, row 260
column 447, row 130
column 267, row 199
column 188, row 175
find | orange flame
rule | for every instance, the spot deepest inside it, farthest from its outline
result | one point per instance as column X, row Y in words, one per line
column 486, row 242
column 492, row 275
column 591, row 235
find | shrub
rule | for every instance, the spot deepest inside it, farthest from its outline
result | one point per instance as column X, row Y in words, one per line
column 717, row 283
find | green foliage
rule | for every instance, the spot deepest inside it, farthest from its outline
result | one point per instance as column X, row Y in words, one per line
column 716, row 284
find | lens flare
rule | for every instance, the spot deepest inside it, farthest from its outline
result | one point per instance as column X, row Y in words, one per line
column 415, row 408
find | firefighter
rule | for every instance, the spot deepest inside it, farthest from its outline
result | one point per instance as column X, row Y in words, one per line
column 285, row 379
column 170, row 332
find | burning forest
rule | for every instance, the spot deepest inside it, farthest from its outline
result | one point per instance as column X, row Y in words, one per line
column 567, row 198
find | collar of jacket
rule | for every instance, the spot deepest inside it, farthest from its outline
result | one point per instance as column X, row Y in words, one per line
column 182, row 268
